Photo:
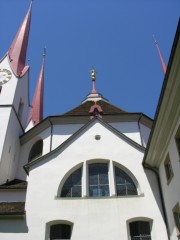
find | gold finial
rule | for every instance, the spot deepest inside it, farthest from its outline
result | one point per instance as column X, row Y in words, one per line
column 93, row 74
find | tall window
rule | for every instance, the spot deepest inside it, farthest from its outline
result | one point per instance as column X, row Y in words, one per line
column 168, row 169
column 36, row 150
column 140, row 230
column 98, row 180
column 124, row 184
column 60, row 231
column 72, row 186
column 0, row 89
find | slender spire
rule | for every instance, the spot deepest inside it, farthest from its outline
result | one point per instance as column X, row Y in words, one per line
column 93, row 78
column 18, row 49
column 36, row 112
column 160, row 56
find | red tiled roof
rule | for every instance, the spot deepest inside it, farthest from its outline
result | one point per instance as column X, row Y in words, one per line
column 83, row 109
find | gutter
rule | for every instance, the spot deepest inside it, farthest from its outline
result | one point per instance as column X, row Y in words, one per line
column 51, row 134
column 155, row 170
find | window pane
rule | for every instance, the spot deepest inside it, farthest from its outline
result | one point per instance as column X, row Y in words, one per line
column 36, row 150
column 98, row 180
column 140, row 230
column 93, row 178
column 60, row 231
column 121, row 190
column 124, row 184
column 104, row 190
column 103, row 178
column 72, row 186
column 76, row 191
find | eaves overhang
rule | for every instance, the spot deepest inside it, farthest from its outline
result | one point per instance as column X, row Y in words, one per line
column 71, row 138
column 168, row 109
column 64, row 119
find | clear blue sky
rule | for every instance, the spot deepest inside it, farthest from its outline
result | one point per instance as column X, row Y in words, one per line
column 115, row 36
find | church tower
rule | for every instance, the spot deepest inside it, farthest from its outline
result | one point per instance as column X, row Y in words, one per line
column 14, row 100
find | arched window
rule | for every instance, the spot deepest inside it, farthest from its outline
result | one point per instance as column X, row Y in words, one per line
column 72, row 186
column 60, row 231
column 98, row 180
column 124, row 184
column 140, row 230
column 36, row 150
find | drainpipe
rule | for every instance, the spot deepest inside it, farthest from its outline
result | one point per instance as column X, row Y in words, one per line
column 161, row 196
column 51, row 134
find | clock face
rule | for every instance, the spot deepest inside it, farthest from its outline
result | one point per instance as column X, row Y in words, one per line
column 5, row 76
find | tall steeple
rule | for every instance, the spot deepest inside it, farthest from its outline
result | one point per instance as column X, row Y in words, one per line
column 36, row 112
column 18, row 49
column 160, row 56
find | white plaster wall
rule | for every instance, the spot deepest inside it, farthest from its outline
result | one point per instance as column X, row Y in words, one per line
column 5, row 114
column 63, row 132
column 130, row 129
column 171, row 191
column 22, row 92
column 145, row 131
column 12, row 196
column 92, row 218
column 25, row 150
column 8, row 89
column 10, row 155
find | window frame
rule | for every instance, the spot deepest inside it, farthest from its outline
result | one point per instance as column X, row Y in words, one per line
column 70, row 185
column 55, row 222
column 168, row 169
column 138, row 220
column 111, row 179
column 125, row 184
column 99, row 186
column 40, row 153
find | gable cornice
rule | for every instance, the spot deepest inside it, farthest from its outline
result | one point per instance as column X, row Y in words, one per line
column 78, row 132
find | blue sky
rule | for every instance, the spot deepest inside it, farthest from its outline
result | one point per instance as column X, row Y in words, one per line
column 114, row 36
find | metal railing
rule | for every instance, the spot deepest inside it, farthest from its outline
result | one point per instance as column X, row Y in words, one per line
column 142, row 237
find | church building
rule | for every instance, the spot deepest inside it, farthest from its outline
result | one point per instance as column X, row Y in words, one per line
column 94, row 172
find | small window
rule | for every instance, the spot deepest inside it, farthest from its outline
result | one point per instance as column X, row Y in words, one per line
column 168, row 169
column 140, row 230
column 72, row 186
column 36, row 150
column 124, row 184
column 60, row 231
column 176, row 213
column 98, row 180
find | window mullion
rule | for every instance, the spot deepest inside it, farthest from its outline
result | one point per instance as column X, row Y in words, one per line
column 112, row 188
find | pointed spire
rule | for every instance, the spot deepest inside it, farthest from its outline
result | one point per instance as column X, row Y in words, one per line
column 18, row 49
column 36, row 112
column 160, row 56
